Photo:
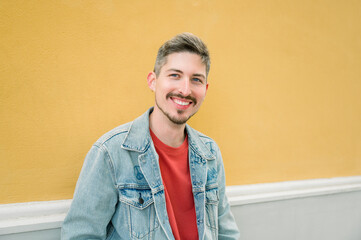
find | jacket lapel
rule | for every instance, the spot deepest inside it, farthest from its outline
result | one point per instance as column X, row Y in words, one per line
column 198, row 157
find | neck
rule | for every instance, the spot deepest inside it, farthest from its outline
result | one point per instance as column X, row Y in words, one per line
column 168, row 132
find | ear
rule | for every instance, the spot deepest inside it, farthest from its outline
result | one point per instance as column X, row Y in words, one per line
column 207, row 87
column 151, row 79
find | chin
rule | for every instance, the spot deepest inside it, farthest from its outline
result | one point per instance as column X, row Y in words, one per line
column 178, row 121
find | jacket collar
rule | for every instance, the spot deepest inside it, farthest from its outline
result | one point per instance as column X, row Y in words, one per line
column 196, row 143
column 139, row 139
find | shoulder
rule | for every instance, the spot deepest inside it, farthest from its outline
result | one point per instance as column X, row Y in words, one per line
column 116, row 135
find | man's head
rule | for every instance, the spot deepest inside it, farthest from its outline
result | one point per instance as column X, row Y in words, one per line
column 179, row 79
column 184, row 42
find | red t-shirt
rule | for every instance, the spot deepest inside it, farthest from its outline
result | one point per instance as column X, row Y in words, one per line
column 174, row 167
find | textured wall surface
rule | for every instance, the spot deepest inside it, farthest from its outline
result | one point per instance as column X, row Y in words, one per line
column 283, row 102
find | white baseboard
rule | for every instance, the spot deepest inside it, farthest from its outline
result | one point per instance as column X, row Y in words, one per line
column 266, row 192
column 36, row 216
column 32, row 216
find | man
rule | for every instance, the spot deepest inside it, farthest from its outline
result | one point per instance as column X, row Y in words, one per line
column 156, row 177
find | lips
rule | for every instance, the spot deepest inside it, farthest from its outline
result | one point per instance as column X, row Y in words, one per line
column 181, row 102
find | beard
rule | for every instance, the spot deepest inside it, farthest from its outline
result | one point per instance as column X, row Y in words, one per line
column 174, row 119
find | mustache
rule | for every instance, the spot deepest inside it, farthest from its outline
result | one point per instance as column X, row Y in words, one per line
column 181, row 96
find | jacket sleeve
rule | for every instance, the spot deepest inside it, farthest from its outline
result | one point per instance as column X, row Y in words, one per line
column 94, row 200
column 227, row 227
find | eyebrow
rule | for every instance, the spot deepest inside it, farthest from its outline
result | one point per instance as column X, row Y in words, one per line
column 199, row 75
column 179, row 71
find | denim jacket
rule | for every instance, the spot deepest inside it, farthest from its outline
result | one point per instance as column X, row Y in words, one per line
column 120, row 194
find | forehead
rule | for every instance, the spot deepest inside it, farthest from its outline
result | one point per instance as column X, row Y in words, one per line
column 186, row 62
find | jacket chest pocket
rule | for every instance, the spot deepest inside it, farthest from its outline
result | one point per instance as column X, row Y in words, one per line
column 138, row 205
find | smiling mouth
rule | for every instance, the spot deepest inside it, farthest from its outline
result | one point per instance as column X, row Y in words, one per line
column 181, row 100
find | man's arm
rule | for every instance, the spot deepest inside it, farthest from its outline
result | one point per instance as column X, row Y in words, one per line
column 94, row 199
column 227, row 227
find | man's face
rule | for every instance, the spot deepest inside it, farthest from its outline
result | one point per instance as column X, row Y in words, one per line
column 180, row 87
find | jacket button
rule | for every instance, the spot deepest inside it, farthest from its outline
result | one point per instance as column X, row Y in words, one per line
column 141, row 201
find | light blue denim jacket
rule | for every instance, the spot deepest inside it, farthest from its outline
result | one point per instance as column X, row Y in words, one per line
column 120, row 194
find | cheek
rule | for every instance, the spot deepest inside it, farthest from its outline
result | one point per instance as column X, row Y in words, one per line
column 164, row 87
column 201, row 94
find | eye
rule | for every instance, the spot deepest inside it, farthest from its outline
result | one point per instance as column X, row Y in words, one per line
column 174, row 75
column 197, row 80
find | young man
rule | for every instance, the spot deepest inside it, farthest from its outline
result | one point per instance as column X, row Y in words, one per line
column 156, row 177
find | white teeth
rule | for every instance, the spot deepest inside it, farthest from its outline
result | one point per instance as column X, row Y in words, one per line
column 181, row 102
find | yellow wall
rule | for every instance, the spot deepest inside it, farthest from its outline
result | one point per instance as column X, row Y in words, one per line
column 283, row 103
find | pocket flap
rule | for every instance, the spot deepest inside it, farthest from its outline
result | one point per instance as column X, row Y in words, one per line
column 138, row 198
column 212, row 196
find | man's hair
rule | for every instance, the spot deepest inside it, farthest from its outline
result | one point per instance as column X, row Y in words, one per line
column 184, row 42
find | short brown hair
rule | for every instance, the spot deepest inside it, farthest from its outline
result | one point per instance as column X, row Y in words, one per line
column 184, row 42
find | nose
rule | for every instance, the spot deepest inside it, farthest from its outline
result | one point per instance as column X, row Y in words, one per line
column 184, row 87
